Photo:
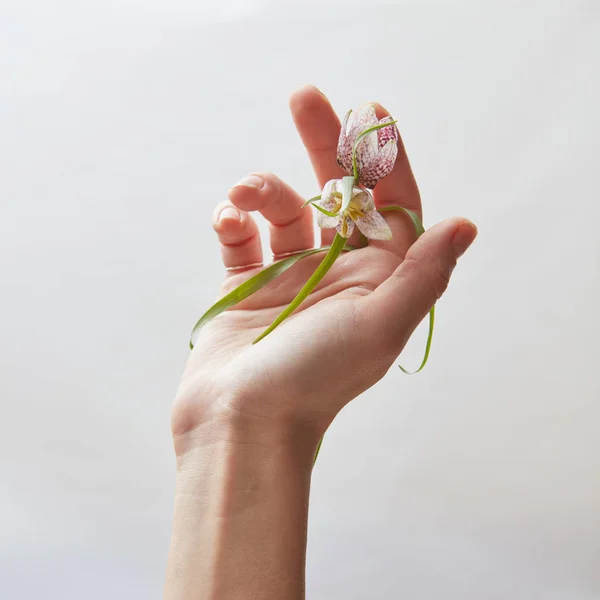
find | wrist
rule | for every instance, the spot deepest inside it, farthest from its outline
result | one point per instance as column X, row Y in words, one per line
column 199, row 428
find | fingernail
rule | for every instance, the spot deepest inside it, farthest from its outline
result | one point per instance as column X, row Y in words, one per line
column 229, row 212
column 463, row 238
column 251, row 181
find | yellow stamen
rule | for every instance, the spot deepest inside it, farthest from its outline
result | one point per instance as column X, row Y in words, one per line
column 344, row 226
column 354, row 211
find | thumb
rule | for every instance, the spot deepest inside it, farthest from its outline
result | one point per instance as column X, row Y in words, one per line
column 401, row 302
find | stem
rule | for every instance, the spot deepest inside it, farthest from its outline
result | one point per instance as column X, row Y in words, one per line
column 334, row 251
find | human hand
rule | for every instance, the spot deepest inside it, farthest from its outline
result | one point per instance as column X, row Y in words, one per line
column 348, row 332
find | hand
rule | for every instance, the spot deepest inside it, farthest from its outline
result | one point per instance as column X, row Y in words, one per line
column 349, row 331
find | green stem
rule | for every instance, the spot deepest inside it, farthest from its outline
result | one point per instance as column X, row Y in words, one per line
column 249, row 287
column 334, row 251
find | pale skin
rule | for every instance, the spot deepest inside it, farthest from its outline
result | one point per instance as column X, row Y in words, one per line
column 247, row 418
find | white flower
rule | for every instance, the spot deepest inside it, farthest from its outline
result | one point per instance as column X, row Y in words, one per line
column 375, row 153
column 361, row 211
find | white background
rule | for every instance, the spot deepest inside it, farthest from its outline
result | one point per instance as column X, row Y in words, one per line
column 123, row 123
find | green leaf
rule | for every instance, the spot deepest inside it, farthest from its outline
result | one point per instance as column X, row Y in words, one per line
column 317, row 452
column 360, row 138
column 427, row 346
column 311, row 200
column 325, row 212
column 334, row 251
column 419, row 230
column 250, row 286
column 347, row 189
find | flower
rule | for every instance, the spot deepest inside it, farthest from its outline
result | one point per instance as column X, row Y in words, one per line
column 375, row 153
column 361, row 211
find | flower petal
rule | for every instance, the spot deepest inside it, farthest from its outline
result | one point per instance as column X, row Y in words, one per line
column 326, row 222
column 387, row 133
column 349, row 227
column 374, row 226
column 328, row 188
column 380, row 165
column 344, row 149
column 364, row 119
column 366, row 150
column 364, row 199
column 328, row 202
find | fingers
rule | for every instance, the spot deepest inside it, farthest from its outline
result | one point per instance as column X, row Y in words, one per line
column 239, row 237
column 291, row 226
column 319, row 129
column 399, row 304
column 398, row 188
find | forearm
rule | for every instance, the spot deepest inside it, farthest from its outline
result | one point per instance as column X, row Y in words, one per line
column 241, row 509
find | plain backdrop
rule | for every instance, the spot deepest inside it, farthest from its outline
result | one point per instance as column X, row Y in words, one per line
column 123, row 123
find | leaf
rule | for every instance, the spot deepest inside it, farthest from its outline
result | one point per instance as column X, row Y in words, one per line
column 325, row 212
column 250, row 286
column 317, row 452
column 427, row 346
column 419, row 230
column 360, row 137
column 334, row 251
column 311, row 200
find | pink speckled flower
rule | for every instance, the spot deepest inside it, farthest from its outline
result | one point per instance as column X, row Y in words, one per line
column 375, row 153
column 360, row 212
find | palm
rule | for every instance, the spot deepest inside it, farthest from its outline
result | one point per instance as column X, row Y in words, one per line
column 354, row 275
column 321, row 330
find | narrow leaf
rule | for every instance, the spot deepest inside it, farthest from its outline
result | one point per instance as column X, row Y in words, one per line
column 427, row 346
column 311, row 200
column 419, row 230
column 250, row 286
column 334, row 251
column 317, row 452
column 325, row 212
column 360, row 138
